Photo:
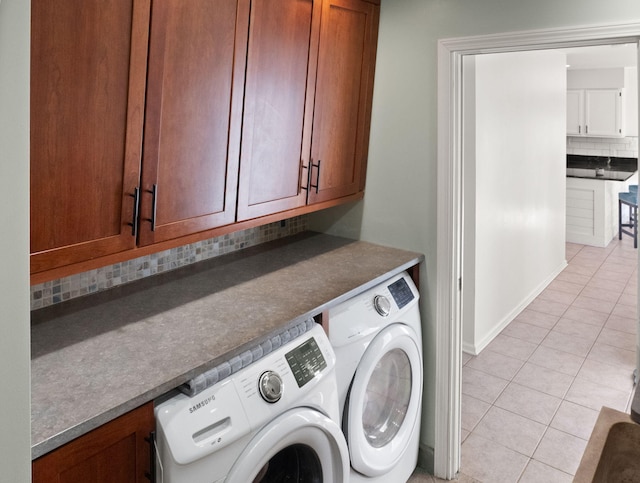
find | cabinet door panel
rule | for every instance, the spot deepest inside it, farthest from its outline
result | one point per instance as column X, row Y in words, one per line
column 603, row 112
column 575, row 111
column 274, row 107
column 113, row 453
column 196, row 69
column 88, row 66
column 344, row 89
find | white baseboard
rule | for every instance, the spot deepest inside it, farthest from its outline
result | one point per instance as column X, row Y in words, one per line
column 475, row 349
column 591, row 240
column 469, row 348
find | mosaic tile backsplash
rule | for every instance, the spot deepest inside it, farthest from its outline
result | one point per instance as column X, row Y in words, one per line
column 620, row 148
column 67, row 288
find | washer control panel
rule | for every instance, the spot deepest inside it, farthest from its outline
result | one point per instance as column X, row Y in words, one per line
column 305, row 361
column 190, row 428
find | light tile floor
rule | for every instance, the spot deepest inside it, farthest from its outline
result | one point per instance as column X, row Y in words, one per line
column 530, row 399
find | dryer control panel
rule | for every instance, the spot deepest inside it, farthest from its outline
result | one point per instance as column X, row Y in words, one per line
column 394, row 300
column 401, row 292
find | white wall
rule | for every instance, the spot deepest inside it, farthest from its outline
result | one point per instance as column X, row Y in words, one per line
column 399, row 208
column 514, row 174
column 15, row 415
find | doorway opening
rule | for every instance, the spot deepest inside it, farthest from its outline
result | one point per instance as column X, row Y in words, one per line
column 451, row 53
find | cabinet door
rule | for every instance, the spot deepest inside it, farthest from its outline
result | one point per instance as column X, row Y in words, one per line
column 276, row 90
column 603, row 112
column 113, row 453
column 575, row 112
column 88, row 74
column 197, row 55
column 342, row 111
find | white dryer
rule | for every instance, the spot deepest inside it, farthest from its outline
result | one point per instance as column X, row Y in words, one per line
column 275, row 420
column 377, row 340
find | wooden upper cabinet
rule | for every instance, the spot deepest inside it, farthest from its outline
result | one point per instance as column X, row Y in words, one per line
column 344, row 91
column 307, row 109
column 278, row 63
column 197, row 52
column 88, row 74
column 153, row 123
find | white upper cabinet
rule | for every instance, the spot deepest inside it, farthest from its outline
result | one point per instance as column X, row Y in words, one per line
column 575, row 112
column 595, row 112
column 603, row 112
column 602, row 102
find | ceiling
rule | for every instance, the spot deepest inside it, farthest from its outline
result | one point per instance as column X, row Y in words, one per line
column 602, row 56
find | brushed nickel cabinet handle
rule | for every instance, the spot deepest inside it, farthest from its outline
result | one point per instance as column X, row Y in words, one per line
column 317, row 185
column 154, row 206
column 135, row 212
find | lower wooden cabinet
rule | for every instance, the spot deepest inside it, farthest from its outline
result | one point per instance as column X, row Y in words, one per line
column 117, row 452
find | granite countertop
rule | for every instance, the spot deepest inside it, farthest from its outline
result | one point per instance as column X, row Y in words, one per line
column 97, row 357
column 606, row 168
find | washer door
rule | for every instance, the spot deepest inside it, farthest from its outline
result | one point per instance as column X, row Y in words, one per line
column 383, row 404
column 301, row 445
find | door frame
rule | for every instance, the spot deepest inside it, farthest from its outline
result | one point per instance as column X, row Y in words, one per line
column 450, row 193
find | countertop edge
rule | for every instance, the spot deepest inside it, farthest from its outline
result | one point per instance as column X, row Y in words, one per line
column 55, row 441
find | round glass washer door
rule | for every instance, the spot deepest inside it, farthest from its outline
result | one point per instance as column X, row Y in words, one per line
column 301, row 445
column 383, row 405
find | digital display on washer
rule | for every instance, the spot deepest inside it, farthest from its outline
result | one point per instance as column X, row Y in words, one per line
column 401, row 292
column 306, row 361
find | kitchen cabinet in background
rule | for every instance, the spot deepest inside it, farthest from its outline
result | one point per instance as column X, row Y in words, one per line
column 116, row 452
column 595, row 112
column 251, row 113
column 603, row 112
column 575, row 112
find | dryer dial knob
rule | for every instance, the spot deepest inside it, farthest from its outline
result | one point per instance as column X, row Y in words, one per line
column 382, row 305
column 270, row 385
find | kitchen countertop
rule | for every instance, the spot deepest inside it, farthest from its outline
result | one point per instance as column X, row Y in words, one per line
column 601, row 167
column 100, row 356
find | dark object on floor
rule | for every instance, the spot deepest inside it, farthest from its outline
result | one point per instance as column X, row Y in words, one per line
column 629, row 199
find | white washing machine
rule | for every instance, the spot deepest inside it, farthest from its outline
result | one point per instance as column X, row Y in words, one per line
column 276, row 420
column 377, row 340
